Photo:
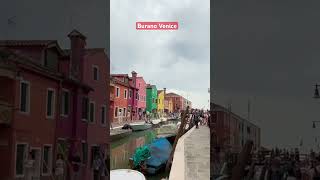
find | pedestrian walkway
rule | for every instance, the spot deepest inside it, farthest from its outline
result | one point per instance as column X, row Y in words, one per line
column 191, row 159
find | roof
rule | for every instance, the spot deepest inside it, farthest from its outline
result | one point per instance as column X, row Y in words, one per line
column 151, row 86
column 67, row 52
column 76, row 33
column 28, row 43
column 119, row 75
column 28, row 63
column 173, row 94
column 224, row 109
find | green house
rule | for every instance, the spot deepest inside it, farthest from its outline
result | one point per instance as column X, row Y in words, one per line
column 152, row 96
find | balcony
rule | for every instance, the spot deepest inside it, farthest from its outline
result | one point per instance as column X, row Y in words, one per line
column 6, row 111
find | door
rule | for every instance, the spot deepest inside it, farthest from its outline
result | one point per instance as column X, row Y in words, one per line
column 37, row 163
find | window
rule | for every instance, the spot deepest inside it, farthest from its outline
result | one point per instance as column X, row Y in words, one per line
column 65, row 103
column 92, row 112
column 117, row 92
column 116, row 112
column 124, row 112
column 130, row 93
column 95, row 73
column 84, row 152
column 85, row 108
column 125, row 94
column 47, row 160
column 248, row 130
column 50, row 103
column 24, row 97
column 137, row 95
column 103, row 115
column 21, row 153
column 139, row 84
column 94, row 152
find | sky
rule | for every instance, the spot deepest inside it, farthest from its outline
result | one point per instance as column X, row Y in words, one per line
column 54, row 20
column 176, row 60
column 268, row 52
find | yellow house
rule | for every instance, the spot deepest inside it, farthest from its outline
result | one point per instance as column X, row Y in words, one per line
column 160, row 102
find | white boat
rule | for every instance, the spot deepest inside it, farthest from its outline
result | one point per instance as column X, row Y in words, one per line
column 123, row 174
column 156, row 121
column 140, row 127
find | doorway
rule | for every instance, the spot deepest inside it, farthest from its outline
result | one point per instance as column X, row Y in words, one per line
column 37, row 162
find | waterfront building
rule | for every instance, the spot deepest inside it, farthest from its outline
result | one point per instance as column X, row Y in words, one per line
column 152, row 96
column 45, row 107
column 142, row 96
column 132, row 94
column 160, row 102
column 232, row 131
column 121, row 96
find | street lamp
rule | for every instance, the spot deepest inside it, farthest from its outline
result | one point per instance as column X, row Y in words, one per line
column 316, row 92
column 314, row 124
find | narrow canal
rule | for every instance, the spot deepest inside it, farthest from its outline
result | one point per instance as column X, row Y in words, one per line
column 123, row 149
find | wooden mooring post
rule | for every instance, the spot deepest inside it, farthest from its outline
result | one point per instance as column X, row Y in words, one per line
column 179, row 134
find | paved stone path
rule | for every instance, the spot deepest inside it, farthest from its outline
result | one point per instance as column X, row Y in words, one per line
column 197, row 154
column 191, row 159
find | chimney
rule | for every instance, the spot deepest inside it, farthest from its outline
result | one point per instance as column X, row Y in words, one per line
column 78, row 44
column 134, row 77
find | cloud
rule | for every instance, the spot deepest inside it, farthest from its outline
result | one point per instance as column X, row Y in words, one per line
column 172, row 59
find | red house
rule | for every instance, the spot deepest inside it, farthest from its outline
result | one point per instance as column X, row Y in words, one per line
column 45, row 106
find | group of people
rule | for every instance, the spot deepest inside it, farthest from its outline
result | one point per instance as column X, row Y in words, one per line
column 277, row 165
column 100, row 167
column 198, row 116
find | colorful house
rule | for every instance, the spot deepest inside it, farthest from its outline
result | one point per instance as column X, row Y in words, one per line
column 45, row 107
column 121, row 96
column 142, row 96
column 168, row 105
column 160, row 102
column 96, row 73
column 152, row 96
column 132, row 94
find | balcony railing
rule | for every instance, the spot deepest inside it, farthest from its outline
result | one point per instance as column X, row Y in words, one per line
column 5, row 113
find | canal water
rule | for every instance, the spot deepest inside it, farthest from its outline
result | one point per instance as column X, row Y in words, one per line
column 123, row 149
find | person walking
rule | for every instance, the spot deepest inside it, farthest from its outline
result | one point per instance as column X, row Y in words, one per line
column 59, row 169
column 96, row 168
column 29, row 165
column 76, row 164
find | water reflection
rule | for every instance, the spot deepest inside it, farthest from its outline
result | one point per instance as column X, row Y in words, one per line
column 123, row 149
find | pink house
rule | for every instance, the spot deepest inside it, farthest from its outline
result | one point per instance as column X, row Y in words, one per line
column 141, row 85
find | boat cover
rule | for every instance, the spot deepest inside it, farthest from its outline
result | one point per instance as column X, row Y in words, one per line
column 160, row 152
column 141, row 154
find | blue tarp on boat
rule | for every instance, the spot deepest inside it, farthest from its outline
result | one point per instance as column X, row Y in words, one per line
column 160, row 150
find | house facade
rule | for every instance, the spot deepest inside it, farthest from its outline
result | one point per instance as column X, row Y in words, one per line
column 160, row 101
column 96, row 75
column 177, row 101
column 232, row 131
column 121, row 96
column 142, row 100
column 45, row 108
column 152, row 96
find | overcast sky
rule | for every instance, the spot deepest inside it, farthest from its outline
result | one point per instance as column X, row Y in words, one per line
column 53, row 20
column 269, row 51
column 177, row 60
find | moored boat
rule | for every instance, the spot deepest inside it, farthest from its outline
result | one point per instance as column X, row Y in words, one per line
column 140, row 127
column 152, row 157
column 121, row 174
column 156, row 121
